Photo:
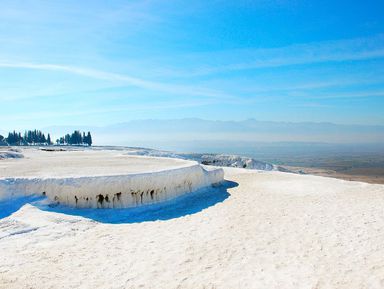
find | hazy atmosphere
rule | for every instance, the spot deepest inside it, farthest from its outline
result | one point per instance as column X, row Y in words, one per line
column 97, row 64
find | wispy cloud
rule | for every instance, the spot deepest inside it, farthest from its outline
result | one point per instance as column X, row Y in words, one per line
column 49, row 114
column 298, row 54
column 361, row 94
column 311, row 105
column 181, row 90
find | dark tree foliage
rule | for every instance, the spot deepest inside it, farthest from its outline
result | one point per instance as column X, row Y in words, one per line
column 31, row 137
column 88, row 139
column 2, row 140
column 76, row 138
column 36, row 137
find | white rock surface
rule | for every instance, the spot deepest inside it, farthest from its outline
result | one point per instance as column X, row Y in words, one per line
column 102, row 179
column 221, row 160
column 276, row 230
column 236, row 162
column 8, row 154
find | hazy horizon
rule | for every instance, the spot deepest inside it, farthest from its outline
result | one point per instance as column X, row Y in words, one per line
column 97, row 64
column 240, row 137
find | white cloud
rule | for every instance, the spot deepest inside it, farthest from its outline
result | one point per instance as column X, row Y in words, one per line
column 122, row 79
column 297, row 54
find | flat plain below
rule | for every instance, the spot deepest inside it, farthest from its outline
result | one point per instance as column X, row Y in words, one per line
column 363, row 167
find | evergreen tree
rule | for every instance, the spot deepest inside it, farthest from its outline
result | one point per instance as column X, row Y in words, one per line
column 3, row 140
column 89, row 139
column 30, row 137
column 9, row 138
column 67, row 139
column 76, row 138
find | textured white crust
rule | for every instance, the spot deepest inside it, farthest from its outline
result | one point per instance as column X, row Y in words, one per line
column 118, row 191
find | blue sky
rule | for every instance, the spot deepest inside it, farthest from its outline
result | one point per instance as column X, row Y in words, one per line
column 104, row 62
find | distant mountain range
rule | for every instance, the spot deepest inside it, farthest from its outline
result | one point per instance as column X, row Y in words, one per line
column 233, row 137
column 282, row 131
column 144, row 132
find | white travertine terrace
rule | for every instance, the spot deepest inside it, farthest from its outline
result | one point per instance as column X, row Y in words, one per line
column 102, row 179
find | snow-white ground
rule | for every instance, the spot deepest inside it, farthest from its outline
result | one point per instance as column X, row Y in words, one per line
column 102, row 179
column 260, row 230
column 39, row 163
column 221, row 160
column 236, row 162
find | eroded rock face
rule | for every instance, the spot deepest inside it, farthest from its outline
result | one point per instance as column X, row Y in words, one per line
column 102, row 179
column 116, row 191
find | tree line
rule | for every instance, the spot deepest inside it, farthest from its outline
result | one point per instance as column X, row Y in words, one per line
column 30, row 137
column 76, row 138
column 37, row 137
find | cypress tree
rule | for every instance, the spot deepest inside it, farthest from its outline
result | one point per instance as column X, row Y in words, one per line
column 89, row 138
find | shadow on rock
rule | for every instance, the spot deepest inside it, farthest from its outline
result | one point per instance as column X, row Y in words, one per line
column 181, row 206
column 9, row 206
